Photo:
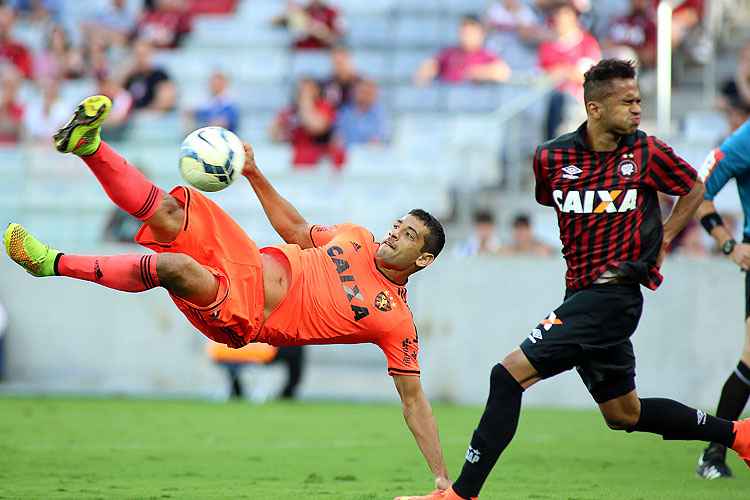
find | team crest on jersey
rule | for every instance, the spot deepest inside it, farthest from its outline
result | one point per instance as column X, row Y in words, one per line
column 384, row 301
column 627, row 167
column 571, row 172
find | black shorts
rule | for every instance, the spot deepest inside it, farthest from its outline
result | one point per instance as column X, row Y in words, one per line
column 590, row 331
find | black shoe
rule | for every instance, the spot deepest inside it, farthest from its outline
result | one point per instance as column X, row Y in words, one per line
column 712, row 464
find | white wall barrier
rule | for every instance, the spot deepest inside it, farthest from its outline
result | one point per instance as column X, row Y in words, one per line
column 70, row 336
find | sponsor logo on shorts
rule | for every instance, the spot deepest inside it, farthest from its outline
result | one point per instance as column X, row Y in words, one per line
column 701, row 416
column 551, row 320
column 536, row 334
column 472, row 455
column 410, row 348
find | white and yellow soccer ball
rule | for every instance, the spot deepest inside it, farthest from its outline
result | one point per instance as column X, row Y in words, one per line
column 211, row 158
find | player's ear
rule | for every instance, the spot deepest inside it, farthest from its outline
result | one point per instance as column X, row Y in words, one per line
column 425, row 259
column 594, row 109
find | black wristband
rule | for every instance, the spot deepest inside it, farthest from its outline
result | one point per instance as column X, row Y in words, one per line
column 711, row 221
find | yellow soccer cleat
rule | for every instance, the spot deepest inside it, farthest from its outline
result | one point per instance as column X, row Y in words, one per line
column 28, row 252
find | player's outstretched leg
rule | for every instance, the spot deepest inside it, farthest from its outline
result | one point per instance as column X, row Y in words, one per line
column 178, row 273
column 127, row 187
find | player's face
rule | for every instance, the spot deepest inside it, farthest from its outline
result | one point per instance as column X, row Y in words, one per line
column 401, row 249
column 621, row 109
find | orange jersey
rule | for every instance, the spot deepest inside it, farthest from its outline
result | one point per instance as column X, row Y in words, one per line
column 337, row 296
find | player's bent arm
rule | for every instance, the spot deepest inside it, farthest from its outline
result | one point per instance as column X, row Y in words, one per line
column 282, row 215
column 419, row 418
column 683, row 211
column 710, row 220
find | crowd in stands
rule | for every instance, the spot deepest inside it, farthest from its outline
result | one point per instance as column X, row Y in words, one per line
column 115, row 47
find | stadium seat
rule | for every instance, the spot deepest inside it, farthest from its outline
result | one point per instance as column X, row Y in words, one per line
column 411, row 98
column 156, row 129
column 261, row 97
column 474, row 98
column 419, row 31
column 369, row 32
column 374, row 64
column 310, row 63
column 405, row 64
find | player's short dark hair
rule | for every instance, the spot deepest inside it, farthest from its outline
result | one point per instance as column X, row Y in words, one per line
column 434, row 240
column 521, row 220
column 731, row 94
column 483, row 216
column 471, row 19
column 598, row 79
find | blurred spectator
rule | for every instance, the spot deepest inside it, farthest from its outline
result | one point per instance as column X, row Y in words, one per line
column 690, row 242
column 112, row 25
column 10, row 50
column 338, row 89
column 121, row 227
column 11, row 109
column 316, row 25
column 149, row 85
column 166, row 24
column 523, row 240
column 59, row 59
column 45, row 113
column 636, row 30
column 38, row 11
column 565, row 59
column 468, row 62
column 364, row 120
column 220, row 110
column 686, row 16
column 484, row 240
column 308, row 125
column 742, row 74
column 115, row 126
column 736, row 110
column 514, row 30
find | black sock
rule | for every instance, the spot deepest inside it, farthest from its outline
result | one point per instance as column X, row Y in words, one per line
column 496, row 429
column 674, row 420
column 733, row 399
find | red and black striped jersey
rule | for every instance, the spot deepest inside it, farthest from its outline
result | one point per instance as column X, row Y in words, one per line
column 606, row 203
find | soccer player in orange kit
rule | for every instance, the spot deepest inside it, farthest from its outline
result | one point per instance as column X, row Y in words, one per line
column 326, row 285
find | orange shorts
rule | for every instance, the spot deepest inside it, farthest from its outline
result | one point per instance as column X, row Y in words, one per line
column 211, row 237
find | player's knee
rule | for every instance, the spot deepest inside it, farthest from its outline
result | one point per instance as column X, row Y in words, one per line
column 168, row 218
column 621, row 421
column 175, row 270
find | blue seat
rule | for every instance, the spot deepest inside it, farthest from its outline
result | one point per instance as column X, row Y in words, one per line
column 310, row 63
column 369, row 32
column 411, row 98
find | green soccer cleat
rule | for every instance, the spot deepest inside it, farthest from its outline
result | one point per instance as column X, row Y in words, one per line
column 28, row 252
column 80, row 135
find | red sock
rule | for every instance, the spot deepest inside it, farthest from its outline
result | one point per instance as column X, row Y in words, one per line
column 129, row 273
column 125, row 185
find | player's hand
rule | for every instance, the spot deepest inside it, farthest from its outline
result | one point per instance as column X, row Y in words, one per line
column 741, row 255
column 443, row 483
column 250, row 166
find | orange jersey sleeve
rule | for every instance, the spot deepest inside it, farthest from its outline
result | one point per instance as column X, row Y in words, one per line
column 401, row 349
column 321, row 235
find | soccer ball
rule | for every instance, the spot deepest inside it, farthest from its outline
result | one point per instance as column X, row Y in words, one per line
column 211, row 158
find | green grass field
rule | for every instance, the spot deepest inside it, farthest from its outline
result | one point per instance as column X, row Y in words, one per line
column 92, row 448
